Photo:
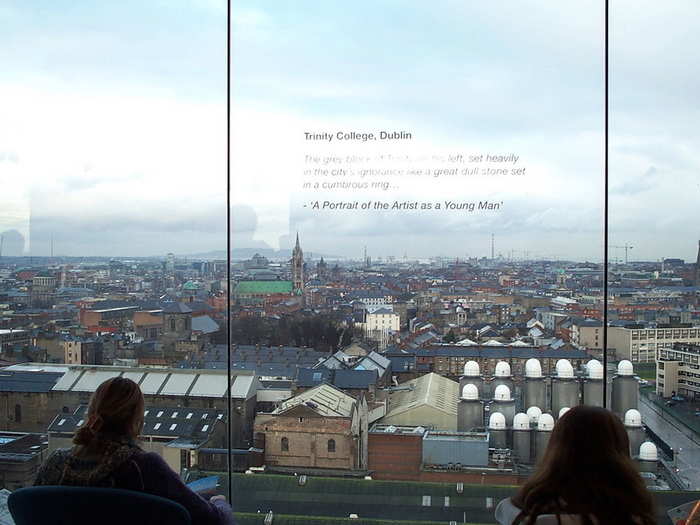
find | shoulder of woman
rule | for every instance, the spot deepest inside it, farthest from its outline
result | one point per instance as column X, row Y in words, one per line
column 151, row 460
column 506, row 512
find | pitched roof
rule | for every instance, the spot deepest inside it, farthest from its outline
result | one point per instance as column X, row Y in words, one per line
column 355, row 379
column 325, row 400
column 176, row 308
column 29, row 381
column 204, row 324
column 430, row 389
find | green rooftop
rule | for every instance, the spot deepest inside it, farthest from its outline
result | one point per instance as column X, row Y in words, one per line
column 263, row 287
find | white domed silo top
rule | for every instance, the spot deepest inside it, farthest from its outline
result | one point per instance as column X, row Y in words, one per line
column 502, row 369
column 534, row 414
column 470, row 392
column 564, row 369
column 563, row 411
column 471, row 369
column 533, row 368
column 502, row 393
column 633, row 418
column 546, row 422
column 497, row 421
column 625, row 368
column 648, row 452
column 595, row 369
column 521, row 421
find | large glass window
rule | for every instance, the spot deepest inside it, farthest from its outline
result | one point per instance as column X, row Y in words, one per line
column 416, row 287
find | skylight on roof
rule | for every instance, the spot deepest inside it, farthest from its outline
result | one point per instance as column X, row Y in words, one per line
column 172, row 427
column 156, row 426
column 204, row 416
column 61, row 422
column 189, row 416
column 205, row 428
column 160, row 413
column 174, row 415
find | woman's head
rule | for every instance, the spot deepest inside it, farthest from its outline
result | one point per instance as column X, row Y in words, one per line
column 587, row 466
column 116, row 408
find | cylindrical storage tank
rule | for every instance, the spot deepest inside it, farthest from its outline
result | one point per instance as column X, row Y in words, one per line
column 565, row 388
column 522, row 438
column 635, row 431
column 498, row 435
column 470, row 410
column 625, row 389
column 534, row 392
column 542, row 434
column 504, row 403
column 593, row 384
column 648, row 456
column 534, row 414
column 472, row 375
column 501, row 376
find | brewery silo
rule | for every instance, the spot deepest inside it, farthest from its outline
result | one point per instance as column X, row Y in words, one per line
column 502, row 376
column 470, row 410
column 565, row 388
column 593, row 384
column 545, row 425
column 534, row 387
column 625, row 389
column 504, row 403
column 534, row 414
column 498, row 434
column 472, row 375
column 648, row 456
column 522, row 438
column 634, row 429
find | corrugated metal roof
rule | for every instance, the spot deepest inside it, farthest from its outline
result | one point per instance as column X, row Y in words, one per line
column 430, row 389
column 91, row 379
column 152, row 382
column 66, row 382
column 242, row 387
column 210, row 386
column 134, row 376
column 324, row 399
column 178, row 384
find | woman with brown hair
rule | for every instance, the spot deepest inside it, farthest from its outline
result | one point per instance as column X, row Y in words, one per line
column 106, row 455
column 586, row 476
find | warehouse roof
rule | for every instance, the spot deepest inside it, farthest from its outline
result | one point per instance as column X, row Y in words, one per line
column 431, row 390
column 27, row 381
column 165, row 382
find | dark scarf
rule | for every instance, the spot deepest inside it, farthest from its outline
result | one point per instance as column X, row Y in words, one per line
column 88, row 472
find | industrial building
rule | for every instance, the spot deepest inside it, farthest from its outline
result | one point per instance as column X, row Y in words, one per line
column 429, row 400
column 321, row 428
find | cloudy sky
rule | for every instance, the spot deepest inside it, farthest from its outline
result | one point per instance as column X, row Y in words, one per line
column 113, row 124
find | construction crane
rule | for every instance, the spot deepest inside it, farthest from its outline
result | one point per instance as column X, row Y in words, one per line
column 625, row 247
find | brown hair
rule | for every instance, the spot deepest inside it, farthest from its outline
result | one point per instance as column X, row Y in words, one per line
column 116, row 408
column 587, row 470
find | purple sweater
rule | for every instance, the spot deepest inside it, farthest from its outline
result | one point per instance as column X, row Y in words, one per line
column 133, row 469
